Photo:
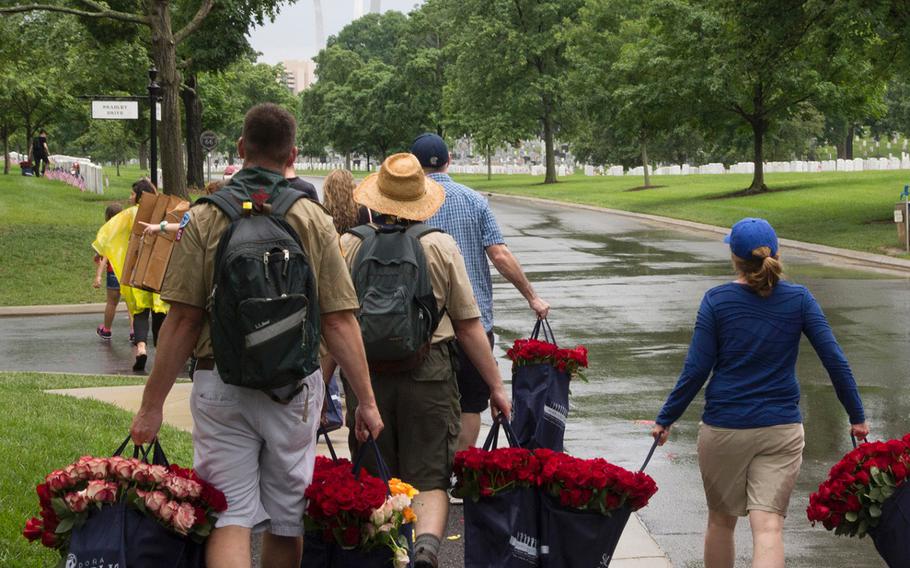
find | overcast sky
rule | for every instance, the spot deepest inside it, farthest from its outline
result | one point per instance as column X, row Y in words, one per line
column 292, row 34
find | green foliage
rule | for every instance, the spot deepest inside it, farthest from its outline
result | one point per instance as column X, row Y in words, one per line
column 48, row 431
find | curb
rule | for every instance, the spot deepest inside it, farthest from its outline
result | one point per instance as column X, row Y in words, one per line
column 56, row 310
column 866, row 258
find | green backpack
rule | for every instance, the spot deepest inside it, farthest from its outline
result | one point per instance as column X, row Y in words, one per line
column 398, row 313
column 264, row 307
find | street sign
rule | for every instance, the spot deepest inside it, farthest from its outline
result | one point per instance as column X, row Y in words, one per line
column 209, row 140
column 115, row 110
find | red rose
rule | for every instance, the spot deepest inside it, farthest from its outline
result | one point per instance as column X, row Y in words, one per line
column 49, row 539
column 900, row 471
column 863, row 478
column 33, row 529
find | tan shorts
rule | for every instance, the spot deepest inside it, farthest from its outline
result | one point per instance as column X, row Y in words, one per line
column 754, row 469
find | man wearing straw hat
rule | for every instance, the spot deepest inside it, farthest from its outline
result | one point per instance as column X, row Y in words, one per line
column 420, row 407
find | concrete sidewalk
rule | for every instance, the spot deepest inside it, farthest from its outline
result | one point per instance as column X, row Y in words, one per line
column 636, row 549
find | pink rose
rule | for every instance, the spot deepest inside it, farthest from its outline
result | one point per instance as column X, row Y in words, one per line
column 176, row 488
column 76, row 501
column 184, row 518
column 141, row 472
column 97, row 468
column 101, row 491
column 168, row 510
column 158, row 473
column 154, row 500
column 122, row 468
column 59, row 480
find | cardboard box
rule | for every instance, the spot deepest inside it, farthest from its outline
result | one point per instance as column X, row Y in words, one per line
column 153, row 252
column 146, row 209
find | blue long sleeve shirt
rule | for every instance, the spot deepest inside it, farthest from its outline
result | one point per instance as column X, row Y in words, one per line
column 751, row 345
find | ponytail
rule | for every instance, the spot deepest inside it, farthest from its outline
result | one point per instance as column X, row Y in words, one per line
column 762, row 272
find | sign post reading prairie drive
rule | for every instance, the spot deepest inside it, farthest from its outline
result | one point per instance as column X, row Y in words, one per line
column 115, row 110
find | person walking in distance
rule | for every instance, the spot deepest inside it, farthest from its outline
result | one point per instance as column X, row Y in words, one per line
column 258, row 446
column 106, row 271
column 466, row 216
column 40, row 153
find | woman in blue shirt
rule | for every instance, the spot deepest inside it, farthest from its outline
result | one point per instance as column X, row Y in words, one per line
column 750, row 441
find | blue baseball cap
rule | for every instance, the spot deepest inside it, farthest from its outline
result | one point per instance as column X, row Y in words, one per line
column 749, row 234
column 431, row 150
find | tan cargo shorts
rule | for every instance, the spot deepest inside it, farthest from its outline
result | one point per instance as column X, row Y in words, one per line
column 753, row 469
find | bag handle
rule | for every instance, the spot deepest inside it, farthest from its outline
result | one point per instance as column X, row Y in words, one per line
column 543, row 325
column 328, row 442
column 141, row 452
column 650, row 455
column 492, row 441
column 384, row 473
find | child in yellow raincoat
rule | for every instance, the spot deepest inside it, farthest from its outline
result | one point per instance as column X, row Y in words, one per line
column 111, row 242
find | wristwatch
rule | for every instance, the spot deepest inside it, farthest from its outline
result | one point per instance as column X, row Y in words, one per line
column 163, row 226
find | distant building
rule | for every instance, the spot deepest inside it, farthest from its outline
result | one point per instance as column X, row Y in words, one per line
column 298, row 74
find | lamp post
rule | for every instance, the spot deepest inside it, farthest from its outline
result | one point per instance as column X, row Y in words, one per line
column 154, row 91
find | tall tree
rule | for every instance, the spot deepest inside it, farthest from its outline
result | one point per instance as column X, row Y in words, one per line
column 514, row 50
column 157, row 16
column 758, row 61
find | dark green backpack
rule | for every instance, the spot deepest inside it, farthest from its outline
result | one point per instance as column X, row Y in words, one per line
column 398, row 312
column 264, row 307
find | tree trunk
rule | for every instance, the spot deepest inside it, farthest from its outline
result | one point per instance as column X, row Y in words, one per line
column 117, row 162
column 347, row 161
column 489, row 164
column 144, row 155
column 548, row 143
column 164, row 52
column 4, row 134
column 195, row 155
column 644, row 162
column 759, row 127
column 841, row 149
column 848, row 147
column 28, row 140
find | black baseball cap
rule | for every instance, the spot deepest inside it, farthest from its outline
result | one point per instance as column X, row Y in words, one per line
column 431, row 150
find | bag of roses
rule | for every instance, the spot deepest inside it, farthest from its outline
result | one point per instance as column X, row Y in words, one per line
column 541, row 373
column 585, row 505
column 866, row 494
column 356, row 520
column 126, row 512
column 501, row 503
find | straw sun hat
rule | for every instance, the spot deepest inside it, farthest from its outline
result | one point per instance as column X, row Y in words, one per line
column 400, row 188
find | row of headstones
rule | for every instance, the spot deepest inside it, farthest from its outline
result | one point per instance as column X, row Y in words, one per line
column 795, row 166
column 534, row 170
column 90, row 177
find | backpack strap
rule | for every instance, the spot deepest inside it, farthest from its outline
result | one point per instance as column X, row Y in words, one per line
column 419, row 230
column 224, row 201
column 362, row 232
column 286, row 198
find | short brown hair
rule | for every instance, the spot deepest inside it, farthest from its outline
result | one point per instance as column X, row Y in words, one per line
column 269, row 132
column 144, row 185
column 112, row 210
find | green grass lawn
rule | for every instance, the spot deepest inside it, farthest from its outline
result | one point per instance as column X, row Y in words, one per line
column 46, row 233
column 43, row 432
column 847, row 210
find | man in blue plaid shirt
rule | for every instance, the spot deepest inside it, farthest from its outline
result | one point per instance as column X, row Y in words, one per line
column 466, row 216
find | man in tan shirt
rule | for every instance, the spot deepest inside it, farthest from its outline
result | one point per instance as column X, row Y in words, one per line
column 258, row 452
column 421, row 406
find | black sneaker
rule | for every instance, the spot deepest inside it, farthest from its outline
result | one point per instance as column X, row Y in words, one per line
column 423, row 558
column 103, row 333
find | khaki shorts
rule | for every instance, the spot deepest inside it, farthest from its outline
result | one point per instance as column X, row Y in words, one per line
column 258, row 452
column 422, row 417
column 753, row 469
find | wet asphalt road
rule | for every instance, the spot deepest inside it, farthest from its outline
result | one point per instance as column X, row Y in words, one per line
column 629, row 291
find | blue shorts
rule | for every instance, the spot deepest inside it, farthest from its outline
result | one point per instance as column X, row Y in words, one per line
column 112, row 283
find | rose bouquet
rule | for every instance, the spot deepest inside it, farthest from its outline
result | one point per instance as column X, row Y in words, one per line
column 850, row 501
column 486, row 473
column 177, row 498
column 359, row 511
column 535, row 352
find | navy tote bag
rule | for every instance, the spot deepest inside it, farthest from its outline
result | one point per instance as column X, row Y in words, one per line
column 892, row 535
column 502, row 531
column 121, row 535
column 540, row 400
column 570, row 538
